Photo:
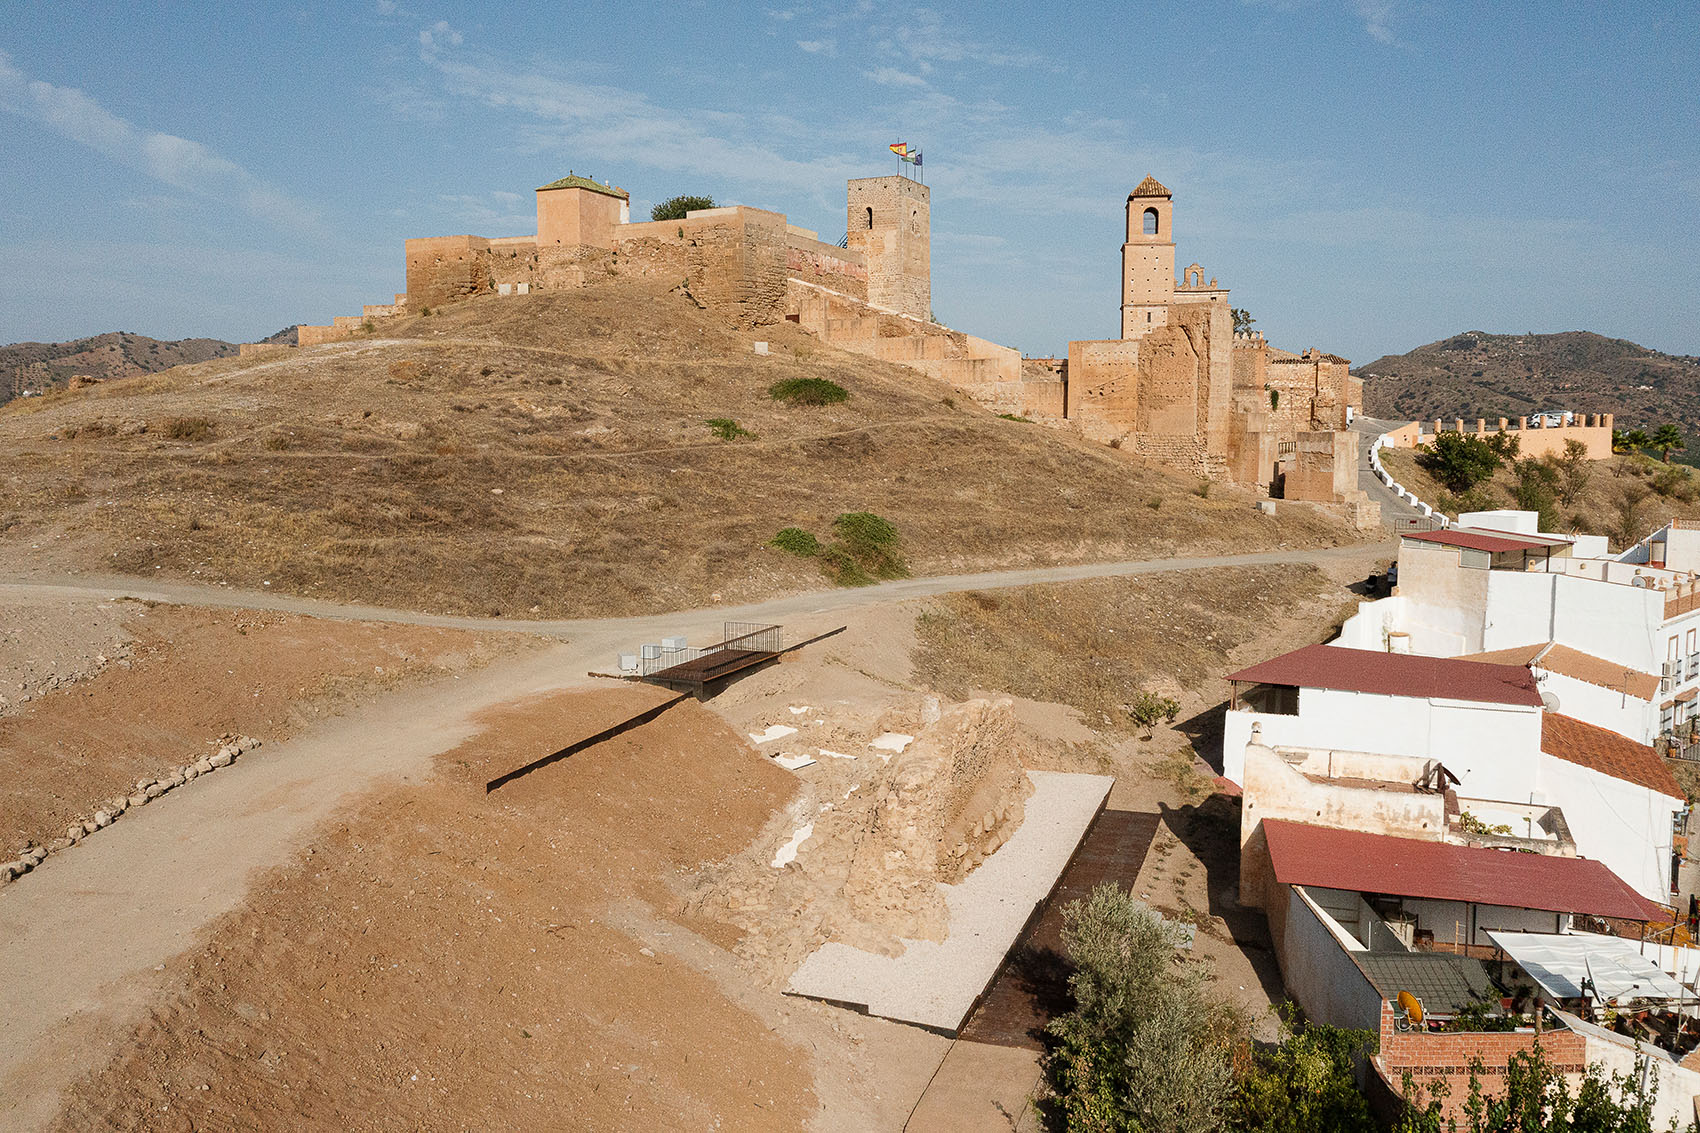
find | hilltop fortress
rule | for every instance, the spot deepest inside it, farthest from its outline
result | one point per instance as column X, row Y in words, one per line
column 1178, row 385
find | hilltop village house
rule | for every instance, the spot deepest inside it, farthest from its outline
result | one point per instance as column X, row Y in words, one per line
column 1429, row 833
column 1177, row 386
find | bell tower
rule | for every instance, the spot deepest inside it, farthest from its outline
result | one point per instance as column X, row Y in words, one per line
column 1148, row 259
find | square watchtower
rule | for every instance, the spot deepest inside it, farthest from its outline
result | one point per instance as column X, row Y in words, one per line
column 888, row 220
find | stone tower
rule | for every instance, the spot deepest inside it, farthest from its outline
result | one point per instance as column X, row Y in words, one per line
column 889, row 221
column 1148, row 259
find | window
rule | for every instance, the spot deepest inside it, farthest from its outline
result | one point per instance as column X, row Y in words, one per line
column 870, row 218
column 1150, row 222
column 1667, row 718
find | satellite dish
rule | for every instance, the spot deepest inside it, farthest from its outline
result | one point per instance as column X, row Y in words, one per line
column 1549, row 702
column 1640, row 580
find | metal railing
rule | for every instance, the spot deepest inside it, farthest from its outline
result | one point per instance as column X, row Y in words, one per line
column 757, row 637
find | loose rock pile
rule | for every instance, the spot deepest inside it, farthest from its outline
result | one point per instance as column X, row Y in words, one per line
column 229, row 748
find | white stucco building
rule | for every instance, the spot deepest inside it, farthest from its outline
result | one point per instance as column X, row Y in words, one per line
column 1370, row 733
column 1493, row 585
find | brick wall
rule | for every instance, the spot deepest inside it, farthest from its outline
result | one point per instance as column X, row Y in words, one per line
column 1445, row 1057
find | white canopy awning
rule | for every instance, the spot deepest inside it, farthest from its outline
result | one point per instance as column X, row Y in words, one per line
column 1560, row 963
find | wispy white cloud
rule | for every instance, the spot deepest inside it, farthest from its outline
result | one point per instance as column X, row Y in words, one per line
column 894, row 77
column 494, row 211
column 571, row 115
column 819, row 46
column 440, row 34
column 177, row 161
column 1378, row 16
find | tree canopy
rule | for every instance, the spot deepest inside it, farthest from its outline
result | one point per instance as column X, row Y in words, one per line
column 675, row 208
column 1460, row 462
column 1665, row 438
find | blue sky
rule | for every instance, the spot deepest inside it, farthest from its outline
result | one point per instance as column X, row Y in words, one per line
column 1366, row 175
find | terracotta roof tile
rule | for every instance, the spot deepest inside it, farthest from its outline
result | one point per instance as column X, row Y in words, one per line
column 1574, row 663
column 1301, row 854
column 1476, row 541
column 1395, row 674
column 1150, row 187
column 1602, row 750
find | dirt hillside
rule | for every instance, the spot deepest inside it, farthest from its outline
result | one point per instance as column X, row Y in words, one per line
column 446, row 959
column 550, row 454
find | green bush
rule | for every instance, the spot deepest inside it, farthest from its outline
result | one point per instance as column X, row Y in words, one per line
column 1145, row 1049
column 727, row 429
column 864, row 531
column 1536, row 489
column 808, row 391
column 1147, row 708
column 872, row 542
column 842, row 567
column 1016, row 417
column 797, row 542
column 1459, row 462
column 1674, row 483
column 675, row 208
column 1304, row 1083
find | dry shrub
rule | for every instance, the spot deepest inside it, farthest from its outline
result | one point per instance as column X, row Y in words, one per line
column 189, row 429
column 407, row 371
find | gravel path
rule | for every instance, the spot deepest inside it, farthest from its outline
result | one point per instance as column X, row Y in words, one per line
column 107, row 587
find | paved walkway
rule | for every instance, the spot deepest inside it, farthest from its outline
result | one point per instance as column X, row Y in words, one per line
column 82, row 936
column 1396, row 512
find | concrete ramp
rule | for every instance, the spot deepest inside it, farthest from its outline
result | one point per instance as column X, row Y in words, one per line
column 936, row 985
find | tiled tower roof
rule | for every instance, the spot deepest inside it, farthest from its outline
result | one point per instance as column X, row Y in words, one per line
column 571, row 182
column 1150, row 187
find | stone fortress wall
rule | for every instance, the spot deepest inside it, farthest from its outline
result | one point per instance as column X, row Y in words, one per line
column 1535, row 436
column 1179, row 386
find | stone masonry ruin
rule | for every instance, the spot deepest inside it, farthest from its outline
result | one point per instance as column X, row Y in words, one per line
column 1179, row 386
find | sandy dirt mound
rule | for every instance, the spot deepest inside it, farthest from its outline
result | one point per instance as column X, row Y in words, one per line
column 445, row 960
column 179, row 680
column 859, row 856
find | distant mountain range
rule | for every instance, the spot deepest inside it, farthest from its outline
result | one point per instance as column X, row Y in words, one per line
column 40, row 366
column 1476, row 374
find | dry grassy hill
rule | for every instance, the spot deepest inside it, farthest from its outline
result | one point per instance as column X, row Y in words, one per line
column 549, row 454
column 116, row 354
column 1476, row 374
column 1625, row 497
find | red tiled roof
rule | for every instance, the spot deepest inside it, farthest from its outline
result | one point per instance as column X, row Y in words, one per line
column 1602, row 750
column 1478, row 542
column 1574, row 663
column 1395, row 674
column 1301, row 854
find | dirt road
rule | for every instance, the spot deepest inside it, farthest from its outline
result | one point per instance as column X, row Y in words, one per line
column 819, row 601
column 82, row 938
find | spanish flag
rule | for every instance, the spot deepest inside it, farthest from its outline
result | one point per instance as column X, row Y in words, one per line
column 901, row 149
